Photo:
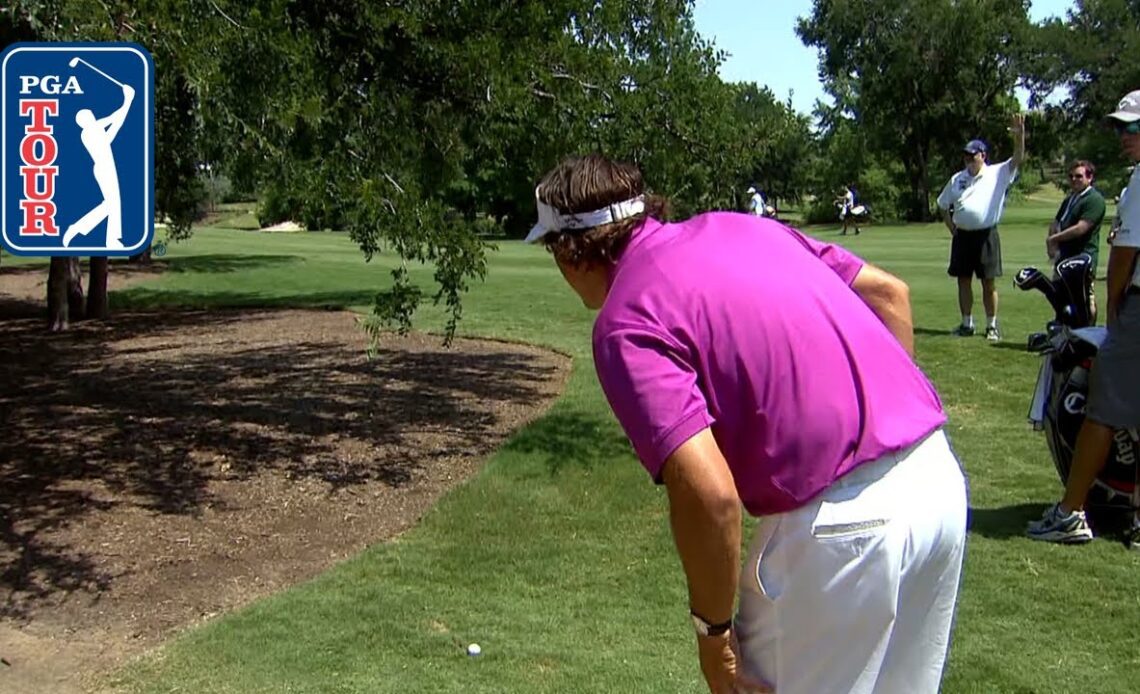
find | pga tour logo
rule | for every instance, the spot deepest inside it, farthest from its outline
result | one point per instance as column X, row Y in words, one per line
column 78, row 149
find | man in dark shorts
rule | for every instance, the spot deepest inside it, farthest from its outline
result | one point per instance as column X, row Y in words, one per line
column 1114, row 382
column 972, row 203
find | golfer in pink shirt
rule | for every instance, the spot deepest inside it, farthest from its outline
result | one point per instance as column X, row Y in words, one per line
column 751, row 366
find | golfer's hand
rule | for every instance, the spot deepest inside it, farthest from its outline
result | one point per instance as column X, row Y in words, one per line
column 720, row 663
column 1017, row 123
column 1051, row 247
column 128, row 91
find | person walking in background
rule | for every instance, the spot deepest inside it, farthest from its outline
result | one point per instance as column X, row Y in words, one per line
column 757, row 205
column 972, row 203
column 846, row 204
column 1076, row 228
column 804, row 406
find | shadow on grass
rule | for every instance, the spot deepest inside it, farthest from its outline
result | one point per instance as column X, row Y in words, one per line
column 1013, row 347
column 573, row 439
column 939, row 332
column 209, row 263
column 142, row 411
column 1007, row 522
column 146, row 299
column 116, row 267
column 1004, row 522
column 224, row 262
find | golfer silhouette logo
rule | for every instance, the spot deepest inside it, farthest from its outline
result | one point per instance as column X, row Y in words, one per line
column 78, row 149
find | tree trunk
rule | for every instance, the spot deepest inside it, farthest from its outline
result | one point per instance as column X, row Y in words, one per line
column 64, row 293
column 97, row 290
column 919, row 207
column 143, row 258
column 921, row 203
column 57, row 294
column 74, row 290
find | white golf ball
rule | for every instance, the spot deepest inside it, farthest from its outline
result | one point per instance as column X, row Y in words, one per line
column 474, row 649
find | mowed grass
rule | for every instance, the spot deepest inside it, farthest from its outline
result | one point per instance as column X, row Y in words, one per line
column 557, row 558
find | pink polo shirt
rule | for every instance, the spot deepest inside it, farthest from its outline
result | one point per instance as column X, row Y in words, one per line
column 747, row 326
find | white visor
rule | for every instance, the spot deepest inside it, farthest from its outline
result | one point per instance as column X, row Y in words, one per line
column 551, row 220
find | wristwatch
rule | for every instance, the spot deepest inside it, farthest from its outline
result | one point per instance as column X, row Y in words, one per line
column 705, row 629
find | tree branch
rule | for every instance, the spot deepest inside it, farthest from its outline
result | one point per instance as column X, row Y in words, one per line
column 228, row 18
column 393, row 182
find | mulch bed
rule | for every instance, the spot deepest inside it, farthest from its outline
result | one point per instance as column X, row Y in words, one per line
column 160, row 469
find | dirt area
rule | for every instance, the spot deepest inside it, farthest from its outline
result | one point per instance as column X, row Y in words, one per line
column 160, row 469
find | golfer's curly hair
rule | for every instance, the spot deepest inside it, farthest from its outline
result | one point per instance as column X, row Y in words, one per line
column 587, row 183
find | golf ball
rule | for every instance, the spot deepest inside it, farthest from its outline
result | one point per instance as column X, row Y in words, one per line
column 474, row 649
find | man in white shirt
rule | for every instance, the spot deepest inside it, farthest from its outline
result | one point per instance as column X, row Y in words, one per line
column 846, row 204
column 758, row 206
column 972, row 204
column 1114, row 381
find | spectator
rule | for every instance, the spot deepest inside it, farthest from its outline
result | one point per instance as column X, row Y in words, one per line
column 1076, row 228
column 972, row 204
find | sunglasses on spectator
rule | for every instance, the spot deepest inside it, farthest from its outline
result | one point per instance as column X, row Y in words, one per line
column 1130, row 129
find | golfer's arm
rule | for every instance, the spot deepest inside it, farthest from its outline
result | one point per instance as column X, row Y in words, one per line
column 1018, row 149
column 704, row 511
column 889, row 298
column 1076, row 231
column 1121, row 261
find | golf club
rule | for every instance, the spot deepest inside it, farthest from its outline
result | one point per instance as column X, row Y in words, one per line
column 75, row 61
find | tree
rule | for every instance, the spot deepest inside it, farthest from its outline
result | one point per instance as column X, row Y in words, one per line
column 1087, row 57
column 414, row 124
column 920, row 76
column 408, row 126
column 776, row 143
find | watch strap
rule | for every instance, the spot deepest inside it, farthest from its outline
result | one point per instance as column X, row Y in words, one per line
column 704, row 628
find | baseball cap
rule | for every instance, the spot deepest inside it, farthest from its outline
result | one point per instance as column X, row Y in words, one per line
column 974, row 146
column 1128, row 108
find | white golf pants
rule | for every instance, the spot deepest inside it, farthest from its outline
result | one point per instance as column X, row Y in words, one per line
column 855, row 591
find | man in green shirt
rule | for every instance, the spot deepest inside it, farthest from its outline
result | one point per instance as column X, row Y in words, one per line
column 1076, row 228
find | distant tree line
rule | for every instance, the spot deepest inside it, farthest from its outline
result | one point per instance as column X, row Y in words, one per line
column 418, row 125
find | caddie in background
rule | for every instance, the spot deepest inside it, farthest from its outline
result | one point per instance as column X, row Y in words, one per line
column 804, row 406
column 1076, row 228
column 757, row 204
column 972, row 204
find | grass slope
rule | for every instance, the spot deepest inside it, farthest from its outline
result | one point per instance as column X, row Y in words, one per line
column 557, row 558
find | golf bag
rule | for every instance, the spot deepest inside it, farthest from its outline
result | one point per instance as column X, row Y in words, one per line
column 1068, row 348
column 858, row 213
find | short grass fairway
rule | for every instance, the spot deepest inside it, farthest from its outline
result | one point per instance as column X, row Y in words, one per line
column 557, row 558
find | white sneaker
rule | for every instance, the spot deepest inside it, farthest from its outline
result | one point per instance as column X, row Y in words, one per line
column 1057, row 526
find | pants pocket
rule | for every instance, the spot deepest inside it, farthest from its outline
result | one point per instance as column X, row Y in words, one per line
column 837, row 531
column 850, row 513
